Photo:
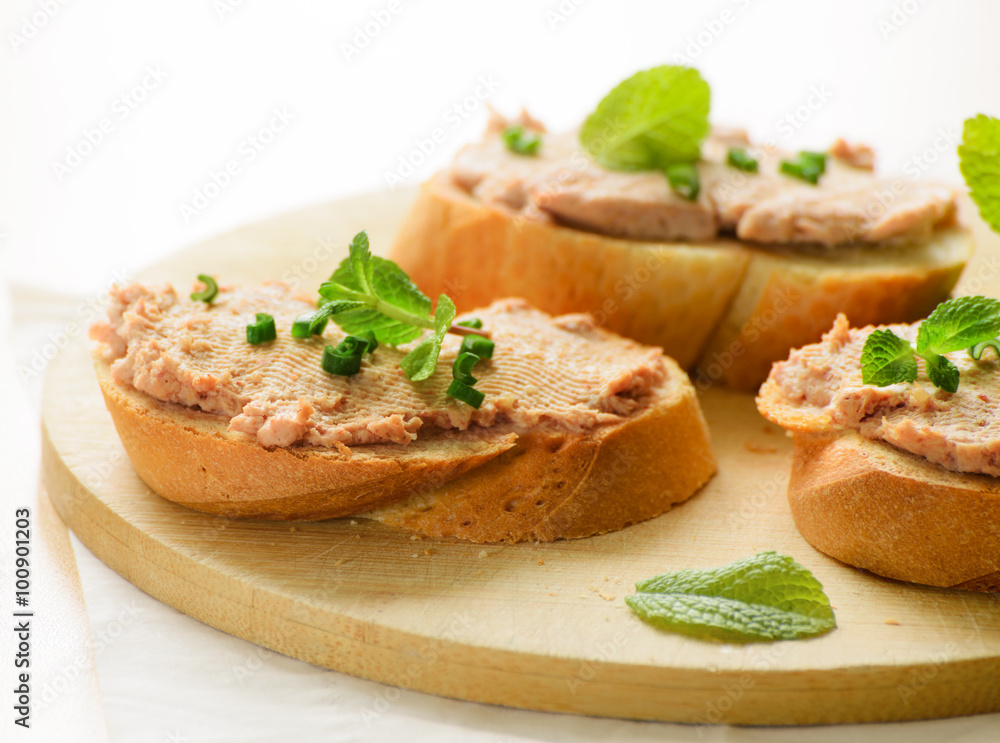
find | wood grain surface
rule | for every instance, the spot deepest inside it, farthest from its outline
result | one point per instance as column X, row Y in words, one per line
column 540, row 626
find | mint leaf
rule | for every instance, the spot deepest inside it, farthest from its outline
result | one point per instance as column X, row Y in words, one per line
column 384, row 299
column 421, row 362
column 886, row 359
column 979, row 161
column 959, row 323
column 360, row 260
column 942, row 372
column 652, row 120
column 762, row 598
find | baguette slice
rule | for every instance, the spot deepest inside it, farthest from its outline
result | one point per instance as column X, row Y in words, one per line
column 189, row 457
column 483, row 484
column 894, row 513
column 726, row 308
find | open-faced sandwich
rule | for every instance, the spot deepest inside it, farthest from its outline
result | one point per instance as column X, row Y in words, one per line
column 246, row 402
column 724, row 253
column 897, row 436
column 896, row 469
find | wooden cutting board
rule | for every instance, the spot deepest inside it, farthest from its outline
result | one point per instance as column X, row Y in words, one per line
column 541, row 626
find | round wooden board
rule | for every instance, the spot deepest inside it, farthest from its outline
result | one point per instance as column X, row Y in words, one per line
column 540, row 626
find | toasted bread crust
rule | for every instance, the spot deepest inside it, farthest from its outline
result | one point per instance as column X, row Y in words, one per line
column 188, row 457
column 896, row 514
column 452, row 243
column 563, row 486
column 727, row 307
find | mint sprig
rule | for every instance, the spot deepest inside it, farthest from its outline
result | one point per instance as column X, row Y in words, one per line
column 421, row 362
column 979, row 161
column 652, row 120
column 963, row 322
column 369, row 293
column 762, row 598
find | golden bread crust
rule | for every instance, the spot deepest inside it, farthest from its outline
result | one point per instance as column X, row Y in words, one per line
column 896, row 514
column 725, row 308
column 658, row 457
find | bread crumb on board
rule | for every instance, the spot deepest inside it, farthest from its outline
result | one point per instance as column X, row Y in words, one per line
column 758, row 448
column 541, row 561
column 893, row 622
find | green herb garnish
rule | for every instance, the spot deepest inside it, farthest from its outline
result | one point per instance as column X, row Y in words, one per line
column 465, row 393
column 976, row 351
column 345, row 359
column 369, row 293
column 520, row 141
column 979, row 161
column 808, row 167
column 421, row 362
column 481, row 347
column 340, row 362
column 261, row 331
column 303, row 326
column 473, row 322
column 209, row 292
column 962, row 323
column 763, row 598
column 738, row 158
column 652, row 120
column 462, row 368
column 684, row 180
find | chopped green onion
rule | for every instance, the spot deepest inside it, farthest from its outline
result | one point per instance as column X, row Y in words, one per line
column 976, row 351
column 261, row 331
column 208, row 293
column 520, row 141
column 353, row 345
column 814, row 160
column 809, row 167
column 807, row 173
column 462, row 368
column 476, row 344
column 303, row 327
column 369, row 336
column 473, row 322
column 465, row 393
column 342, row 364
column 684, row 180
column 739, row 159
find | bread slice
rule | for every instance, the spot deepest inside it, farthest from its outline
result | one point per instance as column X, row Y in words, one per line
column 189, row 457
column 724, row 308
column 894, row 513
column 558, row 486
column 484, row 484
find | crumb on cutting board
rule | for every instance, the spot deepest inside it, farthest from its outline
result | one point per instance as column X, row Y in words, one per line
column 758, row 448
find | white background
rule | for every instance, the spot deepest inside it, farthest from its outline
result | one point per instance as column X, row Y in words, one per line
column 901, row 75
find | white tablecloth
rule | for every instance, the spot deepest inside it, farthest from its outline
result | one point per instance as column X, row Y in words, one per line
column 121, row 115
